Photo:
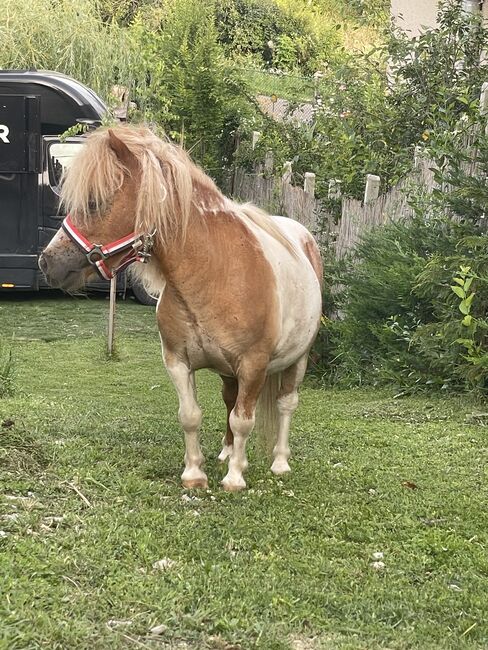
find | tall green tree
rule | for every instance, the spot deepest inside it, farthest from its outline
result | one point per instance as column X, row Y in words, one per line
column 187, row 84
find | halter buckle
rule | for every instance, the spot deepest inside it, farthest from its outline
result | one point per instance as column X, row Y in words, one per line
column 96, row 250
column 144, row 246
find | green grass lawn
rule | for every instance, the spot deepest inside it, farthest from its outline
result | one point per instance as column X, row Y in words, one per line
column 90, row 499
column 291, row 87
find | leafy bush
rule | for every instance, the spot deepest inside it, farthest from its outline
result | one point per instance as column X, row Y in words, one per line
column 187, row 85
column 376, row 298
column 273, row 35
column 414, row 296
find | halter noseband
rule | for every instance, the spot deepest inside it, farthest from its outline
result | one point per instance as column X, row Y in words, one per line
column 139, row 247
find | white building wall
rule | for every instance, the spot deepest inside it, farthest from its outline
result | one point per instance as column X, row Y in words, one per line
column 412, row 15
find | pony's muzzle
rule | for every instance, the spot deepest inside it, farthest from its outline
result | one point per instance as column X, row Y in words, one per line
column 63, row 270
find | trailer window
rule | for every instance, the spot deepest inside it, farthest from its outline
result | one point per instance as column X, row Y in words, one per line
column 61, row 156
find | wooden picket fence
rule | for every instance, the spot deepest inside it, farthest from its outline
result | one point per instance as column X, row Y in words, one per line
column 277, row 194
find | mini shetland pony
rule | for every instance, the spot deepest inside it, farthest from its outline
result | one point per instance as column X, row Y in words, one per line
column 240, row 291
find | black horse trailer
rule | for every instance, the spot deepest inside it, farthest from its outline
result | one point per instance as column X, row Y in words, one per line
column 36, row 108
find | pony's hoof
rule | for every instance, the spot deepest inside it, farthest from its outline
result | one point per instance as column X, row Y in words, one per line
column 280, row 467
column 229, row 486
column 195, row 483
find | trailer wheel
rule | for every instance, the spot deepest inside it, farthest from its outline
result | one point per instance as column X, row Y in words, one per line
column 140, row 293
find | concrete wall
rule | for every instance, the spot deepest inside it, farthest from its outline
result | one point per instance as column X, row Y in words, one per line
column 412, row 15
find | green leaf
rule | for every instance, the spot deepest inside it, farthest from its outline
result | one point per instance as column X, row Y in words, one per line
column 465, row 305
column 467, row 283
column 459, row 281
column 458, row 291
column 467, row 320
column 467, row 343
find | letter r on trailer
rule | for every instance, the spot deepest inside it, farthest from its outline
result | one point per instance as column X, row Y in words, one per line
column 4, row 131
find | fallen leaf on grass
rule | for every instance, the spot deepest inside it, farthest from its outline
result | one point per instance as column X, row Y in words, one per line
column 28, row 503
column 164, row 564
column 378, row 566
column 434, row 522
column 187, row 498
column 410, row 485
column 53, row 521
column 158, row 629
column 113, row 623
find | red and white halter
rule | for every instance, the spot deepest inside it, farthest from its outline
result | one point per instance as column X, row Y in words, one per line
column 96, row 254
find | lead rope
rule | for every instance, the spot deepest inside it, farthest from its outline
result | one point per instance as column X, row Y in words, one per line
column 111, row 315
column 143, row 257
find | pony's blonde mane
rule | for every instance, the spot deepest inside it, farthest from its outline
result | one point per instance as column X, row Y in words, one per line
column 166, row 180
column 165, row 193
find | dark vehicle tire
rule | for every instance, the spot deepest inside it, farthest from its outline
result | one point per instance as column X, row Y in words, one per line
column 141, row 295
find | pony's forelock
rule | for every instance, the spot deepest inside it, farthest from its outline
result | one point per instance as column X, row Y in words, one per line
column 165, row 190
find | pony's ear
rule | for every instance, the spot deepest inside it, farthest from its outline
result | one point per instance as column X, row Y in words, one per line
column 121, row 150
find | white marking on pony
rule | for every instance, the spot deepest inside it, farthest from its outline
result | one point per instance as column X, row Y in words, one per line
column 226, row 451
column 287, row 405
column 298, row 292
column 190, row 416
column 281, row 451
column 242, row 428
column 59, row 237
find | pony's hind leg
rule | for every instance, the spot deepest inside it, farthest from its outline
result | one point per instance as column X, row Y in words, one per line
column 241, row 420
column 229, row 395
column 287, row 403
column 190, row 416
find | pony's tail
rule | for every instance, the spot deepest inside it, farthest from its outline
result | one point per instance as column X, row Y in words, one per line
column 267, row 419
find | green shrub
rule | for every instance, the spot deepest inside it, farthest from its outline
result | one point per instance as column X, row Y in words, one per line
column 262, row 29
column 414, row 295
column 376, row 299
column 188, row 86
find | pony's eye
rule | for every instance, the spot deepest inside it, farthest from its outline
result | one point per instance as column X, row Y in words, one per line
column 92, row 206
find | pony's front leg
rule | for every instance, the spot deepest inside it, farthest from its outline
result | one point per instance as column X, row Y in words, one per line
column 229, row 395
column 241, row 421
column 190, row 416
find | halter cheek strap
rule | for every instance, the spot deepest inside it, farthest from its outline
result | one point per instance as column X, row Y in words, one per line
column 138, row 248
